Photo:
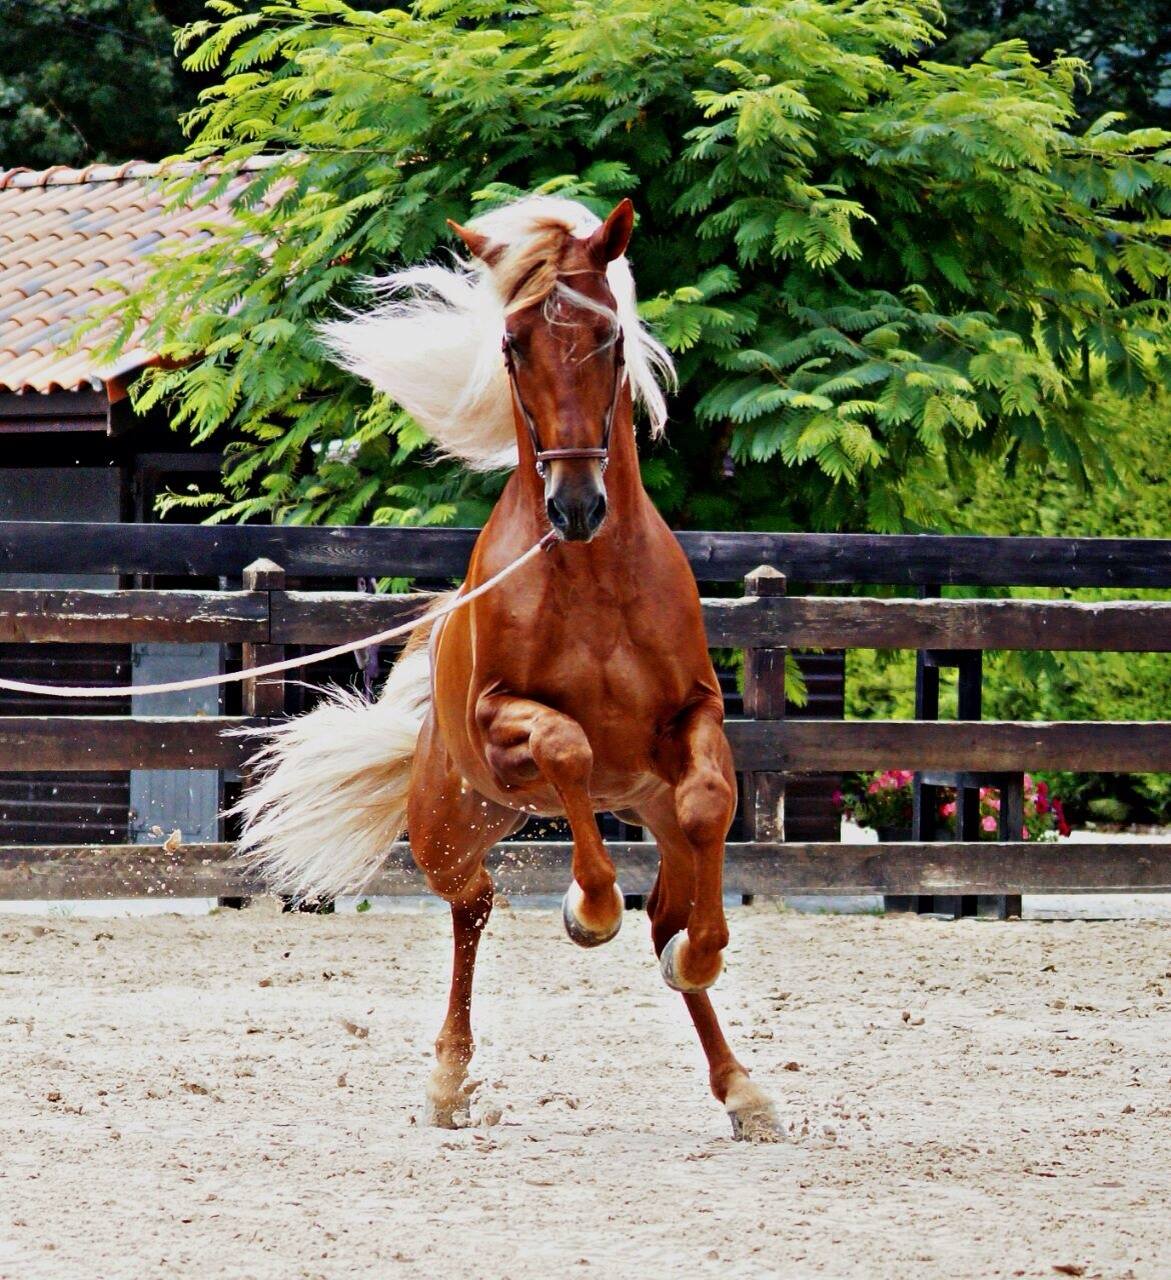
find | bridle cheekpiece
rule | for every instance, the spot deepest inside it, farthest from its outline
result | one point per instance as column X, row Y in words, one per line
column 543, row 456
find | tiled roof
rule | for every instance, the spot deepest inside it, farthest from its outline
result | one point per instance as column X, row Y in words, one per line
column 62, row 233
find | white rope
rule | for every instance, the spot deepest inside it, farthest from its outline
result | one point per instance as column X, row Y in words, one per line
column 288, row 664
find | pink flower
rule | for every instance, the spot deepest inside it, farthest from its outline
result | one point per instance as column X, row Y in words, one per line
column 1024, row 833
column 947, row 810
column 873, row 788
column 988, row 824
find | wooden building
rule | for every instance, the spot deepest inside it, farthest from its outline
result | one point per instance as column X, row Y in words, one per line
column 72, row 449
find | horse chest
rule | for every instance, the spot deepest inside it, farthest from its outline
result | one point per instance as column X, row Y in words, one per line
column 604, row 666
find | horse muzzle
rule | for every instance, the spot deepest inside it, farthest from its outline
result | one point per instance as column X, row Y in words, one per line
column 576, row 511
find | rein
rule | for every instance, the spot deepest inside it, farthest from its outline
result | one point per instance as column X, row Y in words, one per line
column 600, row 454
column 289, row 664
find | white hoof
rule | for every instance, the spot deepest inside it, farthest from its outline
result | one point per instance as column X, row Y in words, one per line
column 671, row 964
column 752, row 1114
column 578, row 930
column 447, row 1113
column 449, row 1099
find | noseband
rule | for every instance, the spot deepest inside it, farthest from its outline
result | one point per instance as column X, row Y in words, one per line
column 600, row 454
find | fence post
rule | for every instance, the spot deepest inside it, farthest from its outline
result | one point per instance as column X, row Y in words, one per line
column 764, row 699
column 264, row 696
column 1012, row 819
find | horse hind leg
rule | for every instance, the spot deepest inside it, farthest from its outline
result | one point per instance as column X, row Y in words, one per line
column 451, row 830
column 525, row 738
column 449, row 1090
column 703, row 805
column 749, row 1108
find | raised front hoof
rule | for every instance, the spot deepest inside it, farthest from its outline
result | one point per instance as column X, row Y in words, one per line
column 674, row 967
column 589, row 934
column 752, row 1114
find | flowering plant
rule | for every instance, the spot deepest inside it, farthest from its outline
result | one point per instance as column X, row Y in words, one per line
column 880, row 799
column 1044, row 814
column 884, row 800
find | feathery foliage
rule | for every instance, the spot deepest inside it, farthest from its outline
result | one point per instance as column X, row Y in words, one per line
column 866, row 262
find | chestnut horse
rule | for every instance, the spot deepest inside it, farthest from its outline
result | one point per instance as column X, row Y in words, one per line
column 580, row 684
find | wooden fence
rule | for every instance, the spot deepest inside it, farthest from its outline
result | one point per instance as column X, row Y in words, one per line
column 264, row 615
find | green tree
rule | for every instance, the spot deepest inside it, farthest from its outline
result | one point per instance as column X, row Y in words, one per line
column 864, row 260
column 1127, row 46
column 86, row 80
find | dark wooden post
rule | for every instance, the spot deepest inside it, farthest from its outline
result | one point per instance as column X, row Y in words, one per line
column 924, row 795
column 1012, row 819
column 263, row 696
column 764, row 699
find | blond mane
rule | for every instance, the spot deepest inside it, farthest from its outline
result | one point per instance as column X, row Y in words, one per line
column 432, row 342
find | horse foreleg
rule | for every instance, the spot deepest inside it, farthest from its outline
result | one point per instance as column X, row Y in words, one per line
column 523, row 740
column 669, row 906
column 451, row 829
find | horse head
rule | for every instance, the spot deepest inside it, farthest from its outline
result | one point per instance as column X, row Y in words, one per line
column 564, row 351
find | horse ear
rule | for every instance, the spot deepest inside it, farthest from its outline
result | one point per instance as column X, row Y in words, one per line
column 612, row 237
column 478, row 244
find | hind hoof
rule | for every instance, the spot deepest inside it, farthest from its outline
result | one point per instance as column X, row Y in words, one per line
column 579, row 931
column 755, row 1126
column 673, row 962
column 752, row 1114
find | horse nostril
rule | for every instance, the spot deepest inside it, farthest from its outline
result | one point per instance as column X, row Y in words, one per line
column 597, row 511
column 557, row 518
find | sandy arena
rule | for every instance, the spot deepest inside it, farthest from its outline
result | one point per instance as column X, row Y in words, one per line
column 239, row 1095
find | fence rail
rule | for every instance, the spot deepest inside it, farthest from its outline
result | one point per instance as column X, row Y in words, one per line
column 84, row 744
column 31, row 872
column 832, row 622
column 853, row 558
column 266, row 617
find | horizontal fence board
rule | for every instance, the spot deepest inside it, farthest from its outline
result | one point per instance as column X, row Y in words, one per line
column 82, row 744
column 836, row 623
column 114, row 871
column 332, row 551
column 129, row 616
column 821, row 746
column 86, row 743
column 923, row 559
column 335, row 617
column 31, row 872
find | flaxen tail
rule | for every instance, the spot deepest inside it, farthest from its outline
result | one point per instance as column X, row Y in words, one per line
column 329, row 790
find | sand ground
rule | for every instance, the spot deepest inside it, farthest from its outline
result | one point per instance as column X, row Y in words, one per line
column 239, row 1096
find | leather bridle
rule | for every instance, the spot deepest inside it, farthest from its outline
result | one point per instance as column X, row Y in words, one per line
column 600, row 454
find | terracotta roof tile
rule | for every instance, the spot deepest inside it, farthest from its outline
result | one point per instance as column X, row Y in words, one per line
column 63, row 232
